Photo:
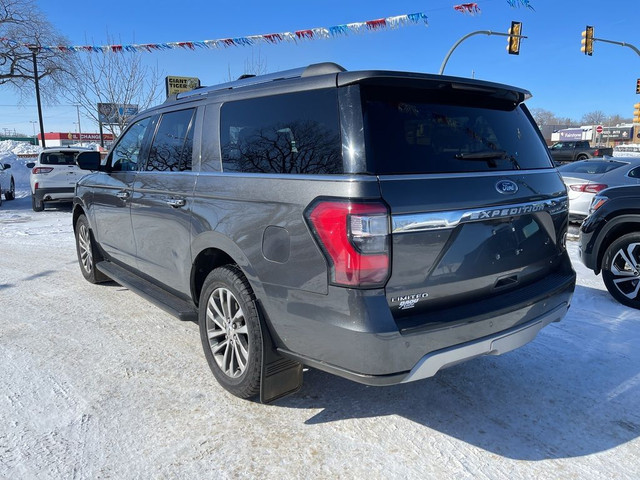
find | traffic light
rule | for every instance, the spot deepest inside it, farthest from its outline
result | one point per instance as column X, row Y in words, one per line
column 587, row 41
column 636, row 113
column 513, row 47
column 638, row 86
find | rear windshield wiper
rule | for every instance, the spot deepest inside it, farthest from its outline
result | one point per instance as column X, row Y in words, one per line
column 489, row 156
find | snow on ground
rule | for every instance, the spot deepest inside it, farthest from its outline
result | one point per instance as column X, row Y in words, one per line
column 98, row 383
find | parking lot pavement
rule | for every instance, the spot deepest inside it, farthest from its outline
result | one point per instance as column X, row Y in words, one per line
column 98, row 383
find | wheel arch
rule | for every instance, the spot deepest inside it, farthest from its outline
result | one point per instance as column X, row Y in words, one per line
column 211, row 251
column 77, row 211
column 615, row 228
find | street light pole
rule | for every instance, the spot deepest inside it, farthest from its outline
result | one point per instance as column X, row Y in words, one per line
column 34, row 50
column 478, row 32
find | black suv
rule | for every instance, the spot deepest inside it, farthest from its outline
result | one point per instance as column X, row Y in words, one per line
column 376, row 225
column 610, row 241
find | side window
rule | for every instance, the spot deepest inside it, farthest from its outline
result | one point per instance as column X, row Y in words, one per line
column 172, row 146
column 635, row 173
column 296, row 133
column 125, row 154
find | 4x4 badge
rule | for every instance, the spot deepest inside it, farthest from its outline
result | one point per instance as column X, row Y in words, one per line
column 506, row 187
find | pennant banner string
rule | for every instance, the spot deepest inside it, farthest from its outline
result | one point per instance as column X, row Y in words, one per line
column 270, row 38
column 518, row 3
column 470, row 8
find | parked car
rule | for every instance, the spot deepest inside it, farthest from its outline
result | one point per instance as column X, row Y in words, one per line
column 610, row 242
column 7, row 184
column 564, row 152
column 54, row 176
column 376, row 225
column 586, row 178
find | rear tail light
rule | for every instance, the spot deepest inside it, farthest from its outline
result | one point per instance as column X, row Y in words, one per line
column 354, row 237
column 41, row 170
column 588, row 187
column 596, row 153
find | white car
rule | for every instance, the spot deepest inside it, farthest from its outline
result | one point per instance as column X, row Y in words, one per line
column 586, row 178
column 54, row 176
column 7, row 185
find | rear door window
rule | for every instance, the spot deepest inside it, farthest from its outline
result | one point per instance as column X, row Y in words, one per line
column 172, row 145
column 410, row 131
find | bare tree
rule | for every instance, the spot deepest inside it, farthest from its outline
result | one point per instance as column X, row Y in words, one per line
column 594, row 118
column 22, row 24
column 113, row 78
column 618, row 119
column 545, row 117
column 256, row 65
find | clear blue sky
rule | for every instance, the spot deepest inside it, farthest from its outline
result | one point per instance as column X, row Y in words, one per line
column 550, row 65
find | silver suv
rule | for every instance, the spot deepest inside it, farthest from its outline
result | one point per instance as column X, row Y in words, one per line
column 376, row 225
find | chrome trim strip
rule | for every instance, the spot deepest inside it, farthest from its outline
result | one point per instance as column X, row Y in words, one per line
column 422, row 222
column 502, row 174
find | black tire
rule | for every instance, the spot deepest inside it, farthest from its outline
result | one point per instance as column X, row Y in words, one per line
column 582, row 157
column 621, row 269
column 233, row 333
column 37, row 206
column 88, row 254
column 11, row 194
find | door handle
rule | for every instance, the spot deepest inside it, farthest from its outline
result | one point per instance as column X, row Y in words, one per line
column 123, row 195
column 176, row 202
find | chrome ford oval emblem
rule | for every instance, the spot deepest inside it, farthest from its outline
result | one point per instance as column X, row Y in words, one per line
column 506, row 187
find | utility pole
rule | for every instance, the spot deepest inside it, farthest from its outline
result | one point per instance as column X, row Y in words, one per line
column 79, row 127
column 34, row 50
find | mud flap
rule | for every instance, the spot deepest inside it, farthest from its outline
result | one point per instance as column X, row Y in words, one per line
column 280, row 376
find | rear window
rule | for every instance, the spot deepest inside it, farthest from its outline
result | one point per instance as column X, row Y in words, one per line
column 58, row 158
column 597, row 167
column 413, row 131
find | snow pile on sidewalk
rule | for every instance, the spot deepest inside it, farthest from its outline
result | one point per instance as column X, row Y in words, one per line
column 15, row 147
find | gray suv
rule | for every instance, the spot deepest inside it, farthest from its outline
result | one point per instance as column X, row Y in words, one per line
column 376, row 225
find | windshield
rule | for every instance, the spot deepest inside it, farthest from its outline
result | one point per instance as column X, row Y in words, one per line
column 413, row 131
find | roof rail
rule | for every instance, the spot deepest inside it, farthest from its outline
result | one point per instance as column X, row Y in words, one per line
column 302, row 72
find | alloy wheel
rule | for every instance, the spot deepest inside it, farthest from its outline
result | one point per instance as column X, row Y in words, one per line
column 227, row 332
column 84, row 244
column 625, row 269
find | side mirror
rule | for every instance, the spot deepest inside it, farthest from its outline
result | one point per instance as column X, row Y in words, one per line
column 88, row 160
column 6, row 165
column 30, row 165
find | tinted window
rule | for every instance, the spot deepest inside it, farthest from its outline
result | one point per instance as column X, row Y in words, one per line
column 58, row 158
column 124, row 156
column 416, row 131
column 635, row 173
column 597, row 167
column 173, row 142
column 291, row 133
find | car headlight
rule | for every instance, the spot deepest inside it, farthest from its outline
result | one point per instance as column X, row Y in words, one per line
column 597, row 202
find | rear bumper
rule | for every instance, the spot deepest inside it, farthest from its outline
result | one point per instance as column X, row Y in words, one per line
column 371, row 349
column 498, row 344
column 59, row 194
